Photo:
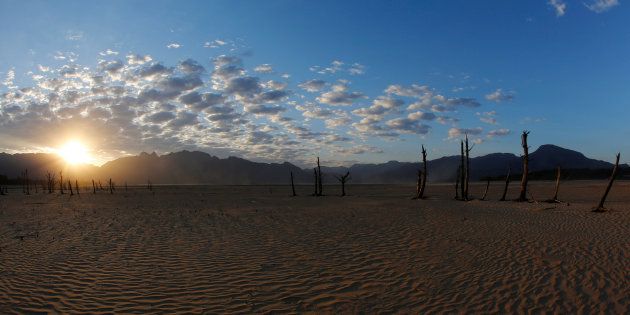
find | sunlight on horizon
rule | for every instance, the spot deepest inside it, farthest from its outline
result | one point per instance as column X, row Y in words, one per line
column 75, row 152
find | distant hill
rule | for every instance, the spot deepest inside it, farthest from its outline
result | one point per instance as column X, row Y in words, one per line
column 187, row 167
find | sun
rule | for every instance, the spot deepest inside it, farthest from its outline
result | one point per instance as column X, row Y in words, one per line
column 74, row 152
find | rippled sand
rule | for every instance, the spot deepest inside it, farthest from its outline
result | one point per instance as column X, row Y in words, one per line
column 254, row 249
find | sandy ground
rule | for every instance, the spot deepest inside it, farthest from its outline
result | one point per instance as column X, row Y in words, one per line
column 255, row 249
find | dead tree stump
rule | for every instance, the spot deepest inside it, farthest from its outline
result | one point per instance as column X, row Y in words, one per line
column 485, row 193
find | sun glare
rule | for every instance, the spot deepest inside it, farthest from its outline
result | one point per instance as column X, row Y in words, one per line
column 74, row 152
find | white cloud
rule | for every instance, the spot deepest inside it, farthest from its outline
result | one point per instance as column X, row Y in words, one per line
column 108, row 52
column 173, row 46
column 600, row 6
column 559, row 6
column 498, row 132
column 264, row 68
column 500, row 96
column 214, row 44
column 339, row 96
column 459, row 132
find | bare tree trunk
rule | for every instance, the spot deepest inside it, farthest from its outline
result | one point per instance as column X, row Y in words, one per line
column 111, row 186
column 76, row 185
column 459, row 170
column 343, row 179
column 467, row 173
column 485, row 193
column 418, row 185
column 600, row 206
column 507, row 183
column 70, row 187
column 316, row 182
column 462, row 173
column 523, row 194
column 61, row 182
column 319, row 179
column 293, row 186
column 424, row 173
column 554, row 199
column 93, row 187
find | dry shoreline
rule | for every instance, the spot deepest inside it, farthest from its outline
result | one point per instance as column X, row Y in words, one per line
column 243, row 249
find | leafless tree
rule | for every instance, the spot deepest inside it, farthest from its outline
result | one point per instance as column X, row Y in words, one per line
column 600, row 207
column 343, row 179
column 76, row 186
column 70, row 188
column 523, row 195
column 93, row 187
column 422, row 176
column 507, row 183
column 111, row 186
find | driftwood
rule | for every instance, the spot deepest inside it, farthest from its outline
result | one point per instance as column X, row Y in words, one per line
column 507, row 183
column 600, row 207
column 523, row 195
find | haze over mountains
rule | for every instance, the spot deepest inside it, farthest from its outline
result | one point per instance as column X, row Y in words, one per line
column 187, row 167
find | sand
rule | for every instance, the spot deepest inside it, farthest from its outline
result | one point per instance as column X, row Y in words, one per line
column 257, row 250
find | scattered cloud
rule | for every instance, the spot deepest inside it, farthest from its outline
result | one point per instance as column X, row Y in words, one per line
column 460, row 132
column 339, row 96
column 264, row 68
column 108, row 52
column 498, row 132
column 559, row 7
column 500, row 96
column 313, row 85
column 173, row 46
column 600, row 6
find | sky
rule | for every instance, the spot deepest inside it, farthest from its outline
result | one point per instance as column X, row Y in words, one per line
column 350, row 81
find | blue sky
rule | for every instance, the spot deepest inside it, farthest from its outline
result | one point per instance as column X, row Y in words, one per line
column 382, row 77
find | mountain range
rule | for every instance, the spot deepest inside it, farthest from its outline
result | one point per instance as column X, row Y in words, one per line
column 186, row 167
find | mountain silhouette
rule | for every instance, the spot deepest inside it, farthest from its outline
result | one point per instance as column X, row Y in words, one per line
column 186, row 167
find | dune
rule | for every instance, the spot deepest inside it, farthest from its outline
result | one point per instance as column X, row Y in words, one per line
column 255, row 249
